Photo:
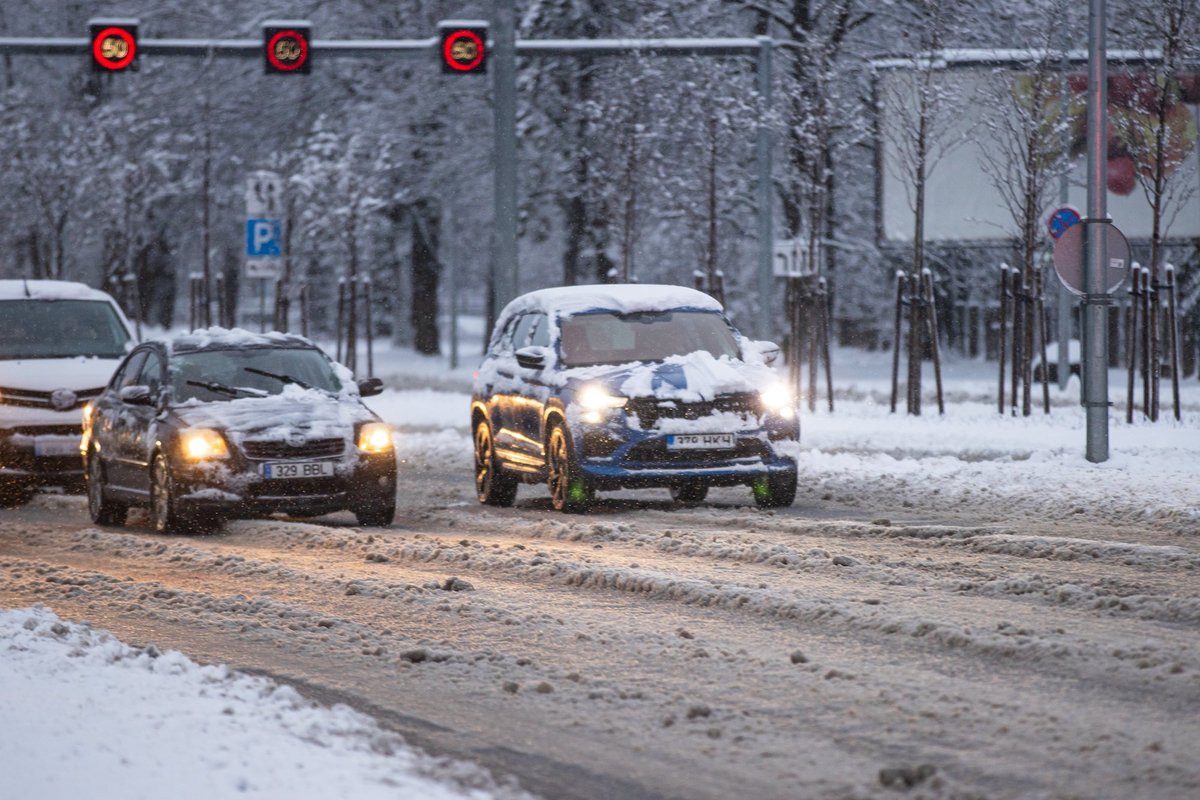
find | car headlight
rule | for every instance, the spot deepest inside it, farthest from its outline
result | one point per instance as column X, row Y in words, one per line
column 201, row 444
column 596, row 402
column 777, row 399
column 375, row 437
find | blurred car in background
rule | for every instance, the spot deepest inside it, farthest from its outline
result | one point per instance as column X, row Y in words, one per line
column 59, row 344
column 219, row 423
column 592, row 388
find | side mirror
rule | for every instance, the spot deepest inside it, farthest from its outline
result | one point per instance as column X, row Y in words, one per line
column 369, row 387
column 767, row 351
column 532, row 357
column 137, row 396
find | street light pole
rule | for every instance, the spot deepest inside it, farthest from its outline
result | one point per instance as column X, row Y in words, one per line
column 1097, row 299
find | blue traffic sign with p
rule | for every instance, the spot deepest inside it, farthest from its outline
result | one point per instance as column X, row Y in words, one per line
column 264, row 237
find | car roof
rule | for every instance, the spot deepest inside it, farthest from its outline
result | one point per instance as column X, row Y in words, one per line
column 623, row 298
column 49, row 290
column 216, row 338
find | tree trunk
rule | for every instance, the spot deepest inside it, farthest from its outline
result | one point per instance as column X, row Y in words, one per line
column 426, row 222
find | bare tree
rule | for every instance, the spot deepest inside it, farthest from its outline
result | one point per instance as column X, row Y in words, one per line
column 1025, row 130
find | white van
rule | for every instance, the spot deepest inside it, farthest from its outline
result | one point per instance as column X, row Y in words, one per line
column 59, row 344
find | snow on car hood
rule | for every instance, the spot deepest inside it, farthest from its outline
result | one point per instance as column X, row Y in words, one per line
column 48, row 374
column 690, row 378
column 310, row 412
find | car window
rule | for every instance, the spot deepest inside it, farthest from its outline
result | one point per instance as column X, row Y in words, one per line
column 525, row 324
column 35, row 328
column 541, row 331
column 503, row 344
column 243, row 370
column 128, row 374
column 151, row 373
column 611, row 338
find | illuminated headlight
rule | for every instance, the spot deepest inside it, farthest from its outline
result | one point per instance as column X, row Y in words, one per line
column 597, row 402
column 375, row 437
column 200, row 444
column 777, row 399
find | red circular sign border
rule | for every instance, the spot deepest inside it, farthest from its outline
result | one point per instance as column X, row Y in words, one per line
column 299, row 62
column 454, row 37
column 122, row 34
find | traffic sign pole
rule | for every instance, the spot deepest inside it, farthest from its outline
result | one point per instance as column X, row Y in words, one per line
column 1098, row 299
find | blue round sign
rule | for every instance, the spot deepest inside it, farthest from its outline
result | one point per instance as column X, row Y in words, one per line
column 1061, row 220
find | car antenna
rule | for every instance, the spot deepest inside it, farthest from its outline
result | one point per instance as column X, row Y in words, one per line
column 27, row 292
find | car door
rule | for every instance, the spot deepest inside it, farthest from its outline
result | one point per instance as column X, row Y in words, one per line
column 533, row 390
column 111, row 420
column 141, row 432
column 514, row 435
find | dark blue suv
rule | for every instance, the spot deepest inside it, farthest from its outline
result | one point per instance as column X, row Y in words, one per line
column 603, row 387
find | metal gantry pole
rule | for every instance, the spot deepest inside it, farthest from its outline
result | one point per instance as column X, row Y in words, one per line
column 504, row 88
column 765, row 206
column 1097, row 298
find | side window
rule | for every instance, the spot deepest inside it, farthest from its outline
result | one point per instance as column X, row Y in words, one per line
column 541, row 331
column 521, row 334
column 504, row 342
column 128, row 374
column 151, row 373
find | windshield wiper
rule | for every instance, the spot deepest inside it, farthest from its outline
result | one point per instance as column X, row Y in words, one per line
column 221, row 388
column 277, row 376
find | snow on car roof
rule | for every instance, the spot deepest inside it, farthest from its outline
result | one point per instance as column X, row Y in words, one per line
column 623, row 298
column 49, row 290
column 223, row 338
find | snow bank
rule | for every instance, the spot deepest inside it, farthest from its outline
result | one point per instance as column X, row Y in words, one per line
column 88, row 716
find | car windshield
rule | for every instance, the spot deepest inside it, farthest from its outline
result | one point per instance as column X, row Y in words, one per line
column 611, row 338
column 37, row 328
column 248, row 372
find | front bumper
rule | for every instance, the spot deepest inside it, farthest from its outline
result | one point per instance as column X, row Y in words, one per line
column 240, row 490
column 616, row 455
column 41, row 455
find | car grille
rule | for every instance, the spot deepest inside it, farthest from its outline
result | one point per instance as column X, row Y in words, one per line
column 313, row 448
column 299, row 487
column 650, row 410
column 29, row 398
column 656, row 450
column 46, row 430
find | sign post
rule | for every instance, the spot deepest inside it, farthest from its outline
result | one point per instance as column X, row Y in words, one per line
column 1097, row 299
column 264, row 234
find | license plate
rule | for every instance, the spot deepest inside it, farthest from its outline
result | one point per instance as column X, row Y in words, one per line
column 52, row 446
column 298, row 469
column 701, row 441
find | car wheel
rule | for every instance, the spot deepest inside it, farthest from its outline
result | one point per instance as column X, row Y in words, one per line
column 378, row 511
column 775, row 491
column 101, row 509
column 164, row 506
column 493, row 486
column 569, row 492
column 689, row 492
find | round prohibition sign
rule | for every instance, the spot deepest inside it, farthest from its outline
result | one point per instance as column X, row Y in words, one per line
column 114, row 48
column 463, row 50
column 287, row 50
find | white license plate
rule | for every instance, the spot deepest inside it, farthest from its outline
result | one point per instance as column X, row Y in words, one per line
column 298, row 469
column 52, row 446
column 701, row 441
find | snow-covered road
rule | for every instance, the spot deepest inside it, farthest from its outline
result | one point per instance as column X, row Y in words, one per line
column 962, row 604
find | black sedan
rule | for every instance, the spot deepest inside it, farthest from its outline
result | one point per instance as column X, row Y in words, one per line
column 218, row 424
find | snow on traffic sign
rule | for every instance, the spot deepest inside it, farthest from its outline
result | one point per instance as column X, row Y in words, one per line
column 1069, row 253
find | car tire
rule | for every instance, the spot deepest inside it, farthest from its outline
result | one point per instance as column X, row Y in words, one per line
column 775, row 491
column 164, row 506
column 689, row 493
column 493, row 486
column 102, row 509
column 380, row 510
column 569, row 492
